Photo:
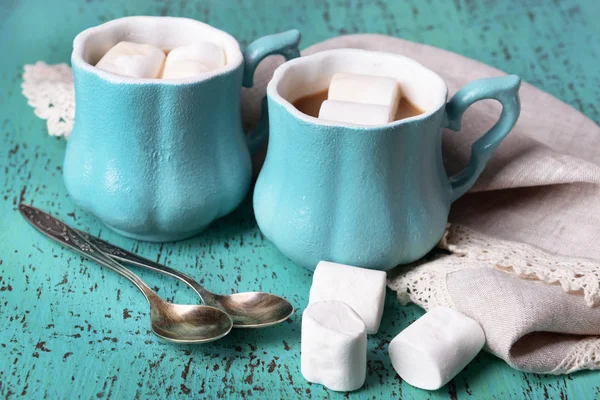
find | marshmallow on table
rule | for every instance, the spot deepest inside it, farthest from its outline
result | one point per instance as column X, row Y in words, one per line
column 366, row 89
column 133, row 59
column 354, row 113
column 193, row 60
column 333, row 346
column 435, row 348
column 362, row 289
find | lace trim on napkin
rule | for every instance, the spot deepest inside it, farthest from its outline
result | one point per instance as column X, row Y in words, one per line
column 423, row 282
column 49, row 90
column 584, row 355
column 576, row 276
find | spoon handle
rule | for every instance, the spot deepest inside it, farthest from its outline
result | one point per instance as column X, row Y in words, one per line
column 123, row 255
column 71, row 238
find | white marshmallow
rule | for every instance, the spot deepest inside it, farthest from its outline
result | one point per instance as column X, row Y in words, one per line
column 183, row 69
column 354, row 113
column 436, row 347
column 366, row 89
column 362, row 289
column 133, row 59
column 333, row 346
column 193, row 60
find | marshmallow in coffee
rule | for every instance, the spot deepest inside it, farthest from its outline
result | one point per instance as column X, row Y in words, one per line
column 146, row 61
column 193, row 60
column 133, row 59
column 354, row 113
column 361, row 99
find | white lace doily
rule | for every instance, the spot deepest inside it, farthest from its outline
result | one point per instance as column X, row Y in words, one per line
column 49, row 90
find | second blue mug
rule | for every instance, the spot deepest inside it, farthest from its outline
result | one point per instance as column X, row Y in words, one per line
column 372, row 197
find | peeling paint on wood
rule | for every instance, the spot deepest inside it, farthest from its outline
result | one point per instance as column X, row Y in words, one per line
column 71, row 328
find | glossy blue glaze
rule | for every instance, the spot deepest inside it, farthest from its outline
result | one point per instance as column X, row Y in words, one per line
column 160, row 161
column 372, row 197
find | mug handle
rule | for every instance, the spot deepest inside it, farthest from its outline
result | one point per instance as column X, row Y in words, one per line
column 505, row 89
column 284, row 43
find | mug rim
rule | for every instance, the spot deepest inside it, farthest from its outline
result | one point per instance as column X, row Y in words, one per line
column 79, row 45
column 279, row 73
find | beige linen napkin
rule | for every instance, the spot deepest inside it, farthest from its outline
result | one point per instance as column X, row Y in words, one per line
column 534, row 300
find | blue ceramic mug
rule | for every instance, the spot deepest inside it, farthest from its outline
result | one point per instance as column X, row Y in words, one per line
column 154, row 159
column 372, row 197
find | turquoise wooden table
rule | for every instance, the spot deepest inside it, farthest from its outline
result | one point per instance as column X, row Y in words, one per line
column 69, row 328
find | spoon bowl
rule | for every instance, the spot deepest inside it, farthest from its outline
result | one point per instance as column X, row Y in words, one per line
column 254, row 309
column 182, row 323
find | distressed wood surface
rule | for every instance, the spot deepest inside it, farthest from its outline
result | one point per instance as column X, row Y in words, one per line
column 69, row 328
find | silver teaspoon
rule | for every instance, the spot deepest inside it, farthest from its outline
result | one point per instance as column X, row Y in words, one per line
column 247, row 310
column 173, row 322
